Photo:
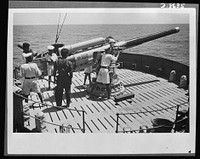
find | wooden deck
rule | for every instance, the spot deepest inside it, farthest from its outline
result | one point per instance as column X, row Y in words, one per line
column 151, row 93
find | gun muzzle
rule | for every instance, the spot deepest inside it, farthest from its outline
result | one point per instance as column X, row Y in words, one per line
column 138, row 41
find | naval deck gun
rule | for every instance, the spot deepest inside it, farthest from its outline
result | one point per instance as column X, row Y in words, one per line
column 86, row 54
column 83, row 54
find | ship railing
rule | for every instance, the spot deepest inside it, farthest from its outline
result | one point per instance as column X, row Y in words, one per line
column 59, row 125
column 145, row 128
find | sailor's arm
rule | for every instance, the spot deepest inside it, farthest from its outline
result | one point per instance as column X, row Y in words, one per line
column 21, row 72
column 25, row 55
column 55, row 68
column 38, row 72
column 115, row 56
column 32, row 52
column 71, row 70
column 54, row 57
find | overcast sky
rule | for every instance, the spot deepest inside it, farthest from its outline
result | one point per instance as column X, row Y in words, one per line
column 44, row 18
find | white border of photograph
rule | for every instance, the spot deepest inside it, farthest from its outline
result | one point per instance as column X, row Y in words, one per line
column 170, row 143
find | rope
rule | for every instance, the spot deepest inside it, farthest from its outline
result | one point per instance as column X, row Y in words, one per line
column 57, row 29
column 58, row 34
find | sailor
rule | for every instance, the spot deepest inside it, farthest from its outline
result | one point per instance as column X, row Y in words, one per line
column 110, row 41
column 87, row 72
column 107, row 58
column 30, row 72
column 51, row 58
column 63, row 73
column 27, row 51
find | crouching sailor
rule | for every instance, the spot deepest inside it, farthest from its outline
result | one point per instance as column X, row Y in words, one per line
column 30, row 72
column 63, row 73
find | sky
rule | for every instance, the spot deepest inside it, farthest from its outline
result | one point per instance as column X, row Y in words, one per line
column 44, row 18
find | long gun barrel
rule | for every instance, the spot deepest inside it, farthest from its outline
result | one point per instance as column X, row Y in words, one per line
column 138, row 41
column 86, row 58
column 85, row 45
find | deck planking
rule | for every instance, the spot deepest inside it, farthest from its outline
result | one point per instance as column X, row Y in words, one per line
column 151, row 93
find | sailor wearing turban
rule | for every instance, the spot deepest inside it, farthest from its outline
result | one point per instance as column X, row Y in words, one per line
column 106, row 60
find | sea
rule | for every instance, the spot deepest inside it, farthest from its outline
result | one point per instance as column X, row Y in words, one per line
column 174, row 47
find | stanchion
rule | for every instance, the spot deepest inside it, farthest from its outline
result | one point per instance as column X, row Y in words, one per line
column 117, row 123
column 40, row 125
column 65, row 128
column 83, row 122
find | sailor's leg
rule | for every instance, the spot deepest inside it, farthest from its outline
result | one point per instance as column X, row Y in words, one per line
column 40, row 96
column 108, row 90
column 92, row 88
column 54, row 78
column 58, row 95
column 68, row 94
column 26, row 100
column 85, row 77
column 49, row 81
column 35, row 88
column 26, row 89
column 90, row 78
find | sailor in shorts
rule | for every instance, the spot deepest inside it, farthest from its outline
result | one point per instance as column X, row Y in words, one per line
column 30, row 72
column 51, row 58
